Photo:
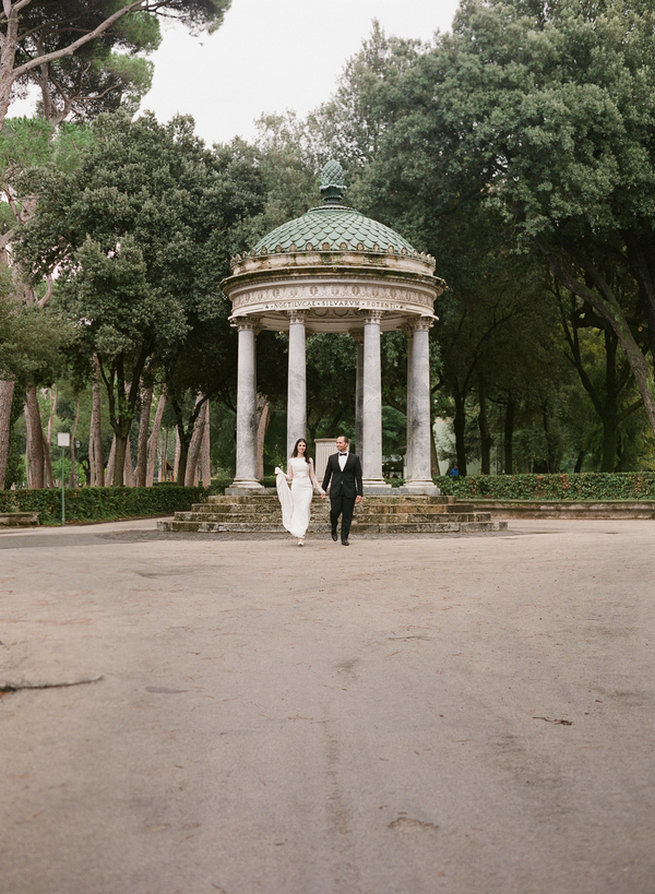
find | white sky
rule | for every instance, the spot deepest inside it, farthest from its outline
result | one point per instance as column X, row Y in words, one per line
column 273, row 55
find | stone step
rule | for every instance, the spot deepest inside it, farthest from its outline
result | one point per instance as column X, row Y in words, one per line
column 377, row 514
column 272, row 509
column 373, row 518
column 450, row 527
column 383, row 499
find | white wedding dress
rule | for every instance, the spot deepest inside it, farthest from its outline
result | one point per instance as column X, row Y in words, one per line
column 296, row 502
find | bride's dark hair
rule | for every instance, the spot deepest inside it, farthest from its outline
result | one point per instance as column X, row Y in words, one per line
column 295, row 449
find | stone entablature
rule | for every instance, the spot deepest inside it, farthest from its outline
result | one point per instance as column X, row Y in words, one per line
column 329, row 302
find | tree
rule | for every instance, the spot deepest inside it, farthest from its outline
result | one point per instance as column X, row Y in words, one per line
column 81, row 86
column 547, row 112
column 140, row 251
column 35, row 33
column 31, row 352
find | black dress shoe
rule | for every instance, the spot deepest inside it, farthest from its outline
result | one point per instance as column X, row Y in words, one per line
column 334, row 536
column 344, row 543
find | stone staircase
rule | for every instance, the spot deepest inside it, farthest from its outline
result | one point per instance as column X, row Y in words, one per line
column 259, row 513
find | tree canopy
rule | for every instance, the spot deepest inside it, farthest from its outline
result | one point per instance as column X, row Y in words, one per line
column 35, row 33
column 139, row 251
column 544, row 114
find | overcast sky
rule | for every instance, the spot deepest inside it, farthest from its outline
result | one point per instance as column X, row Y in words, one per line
column 272, row 55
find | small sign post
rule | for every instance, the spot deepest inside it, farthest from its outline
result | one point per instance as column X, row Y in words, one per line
column 63, row 441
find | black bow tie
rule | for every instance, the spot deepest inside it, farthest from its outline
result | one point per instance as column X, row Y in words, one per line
column 343, row 454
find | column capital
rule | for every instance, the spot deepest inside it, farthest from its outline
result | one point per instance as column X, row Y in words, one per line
column 422, row 324
column 245, row 324
column 372, row 316
column 297, row 316
column 357, row 335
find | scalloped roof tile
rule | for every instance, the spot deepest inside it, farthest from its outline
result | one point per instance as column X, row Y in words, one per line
column 333, row 225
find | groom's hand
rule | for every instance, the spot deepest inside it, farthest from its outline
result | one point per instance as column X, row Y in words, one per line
column 358, row 498
column 323, row 496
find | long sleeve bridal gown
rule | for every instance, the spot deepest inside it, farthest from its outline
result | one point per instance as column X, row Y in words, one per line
column 296, row 501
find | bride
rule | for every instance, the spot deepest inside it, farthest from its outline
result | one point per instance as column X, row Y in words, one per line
column 296, row 502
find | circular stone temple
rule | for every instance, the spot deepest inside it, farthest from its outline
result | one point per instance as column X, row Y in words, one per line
column 335, row 270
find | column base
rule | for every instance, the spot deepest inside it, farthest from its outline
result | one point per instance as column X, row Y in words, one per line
column 376, row 486
column 242, row 486
column 419, row 486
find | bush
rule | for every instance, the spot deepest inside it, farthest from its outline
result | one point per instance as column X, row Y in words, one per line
column 564, row 486
column 103, row 503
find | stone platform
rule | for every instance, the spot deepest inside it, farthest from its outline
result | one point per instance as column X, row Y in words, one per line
column 387, row 514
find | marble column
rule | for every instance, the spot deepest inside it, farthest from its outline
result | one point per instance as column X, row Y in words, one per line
column 372, row 407
column 246, row 460
column 296, row 382
column 358, row 337
column 409, row 331
column 419, row 477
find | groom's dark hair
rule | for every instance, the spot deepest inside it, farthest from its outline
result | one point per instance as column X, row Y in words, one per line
column 345, row 437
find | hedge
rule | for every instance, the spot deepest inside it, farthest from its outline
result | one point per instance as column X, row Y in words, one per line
column 103, row 503
column 561, row 486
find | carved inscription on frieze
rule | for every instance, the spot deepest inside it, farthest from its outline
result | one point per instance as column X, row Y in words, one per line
column 332, row 295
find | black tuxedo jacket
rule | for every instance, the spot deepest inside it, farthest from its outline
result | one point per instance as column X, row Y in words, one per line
column 347, row 483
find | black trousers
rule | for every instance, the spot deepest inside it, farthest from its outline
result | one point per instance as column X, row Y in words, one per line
column 341, row 506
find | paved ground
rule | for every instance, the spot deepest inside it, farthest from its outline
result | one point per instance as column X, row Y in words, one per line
column 461, row 715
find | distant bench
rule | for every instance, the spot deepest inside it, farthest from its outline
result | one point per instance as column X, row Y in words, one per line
column 19, row 519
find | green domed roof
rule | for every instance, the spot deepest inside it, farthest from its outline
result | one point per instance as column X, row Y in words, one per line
column 333, row 226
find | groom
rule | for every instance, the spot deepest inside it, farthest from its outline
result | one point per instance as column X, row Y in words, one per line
column 345, row 471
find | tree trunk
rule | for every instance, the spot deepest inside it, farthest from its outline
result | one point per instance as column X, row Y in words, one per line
column 205, row 452
column 610, row 410
column 34, row 455
column 459, row 424
column 111, row 460
column 7, row 57
column 610, row 442
column 163, row 466
column 142, row 443
column 435, row 471
column 152, row 442
column 262, row 425
column 182, row 457
column 73, row 476
column 195, row 443
column 48, row 477
column 7, row 387
column 96, row 457
column 178, row 453
column 120, row 450
column 47, row 439
column 486, row 440
column 129, row 479
column 508, row 438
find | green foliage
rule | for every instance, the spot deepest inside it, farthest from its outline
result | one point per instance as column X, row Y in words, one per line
column 23, row 142
column 140, row 251
column 32, row 340
column 102, row 503
column 582, row 486
column 91, row 80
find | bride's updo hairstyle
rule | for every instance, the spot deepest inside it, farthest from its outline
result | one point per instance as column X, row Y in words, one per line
column 295, row 449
